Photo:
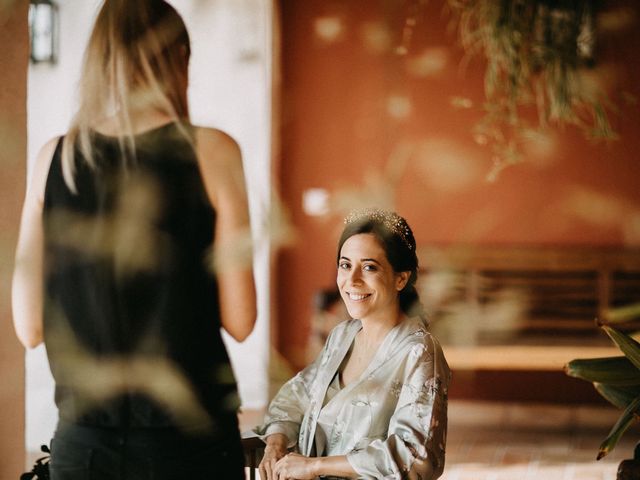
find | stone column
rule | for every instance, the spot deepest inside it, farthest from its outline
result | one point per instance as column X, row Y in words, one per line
column 14, row 56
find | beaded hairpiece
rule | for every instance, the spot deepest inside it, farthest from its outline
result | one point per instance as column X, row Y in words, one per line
column 391, row 221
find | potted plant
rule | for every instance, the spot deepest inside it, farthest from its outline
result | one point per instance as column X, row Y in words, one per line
column 617, row 379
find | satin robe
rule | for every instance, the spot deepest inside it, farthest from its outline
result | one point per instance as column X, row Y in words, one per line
column 391, row 422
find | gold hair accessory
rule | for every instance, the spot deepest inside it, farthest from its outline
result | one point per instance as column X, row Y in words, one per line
column 391, row 221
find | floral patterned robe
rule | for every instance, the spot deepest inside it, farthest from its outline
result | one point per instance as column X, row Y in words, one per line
column 391, row 422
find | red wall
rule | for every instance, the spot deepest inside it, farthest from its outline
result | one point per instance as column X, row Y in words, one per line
column 337, row 134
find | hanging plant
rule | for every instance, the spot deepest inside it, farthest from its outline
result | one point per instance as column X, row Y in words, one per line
column 536, row 53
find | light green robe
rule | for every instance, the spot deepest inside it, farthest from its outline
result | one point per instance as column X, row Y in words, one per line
column 391, row 422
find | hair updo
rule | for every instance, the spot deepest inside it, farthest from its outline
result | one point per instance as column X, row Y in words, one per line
column 396, row 239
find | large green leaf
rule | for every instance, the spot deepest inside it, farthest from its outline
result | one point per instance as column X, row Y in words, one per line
column 609, row 370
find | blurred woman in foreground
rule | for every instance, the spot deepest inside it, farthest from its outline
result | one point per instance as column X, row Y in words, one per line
column 114, row 266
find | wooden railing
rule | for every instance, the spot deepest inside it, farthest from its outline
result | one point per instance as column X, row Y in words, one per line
column 562, row 289
column 509, row 318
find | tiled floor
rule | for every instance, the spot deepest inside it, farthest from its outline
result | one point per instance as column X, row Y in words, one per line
column 530, row 442
column 500, row 442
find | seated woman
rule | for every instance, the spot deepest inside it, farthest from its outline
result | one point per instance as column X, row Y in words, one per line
column 373, row 404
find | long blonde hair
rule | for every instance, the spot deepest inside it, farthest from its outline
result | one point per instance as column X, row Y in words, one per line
column 136, row 60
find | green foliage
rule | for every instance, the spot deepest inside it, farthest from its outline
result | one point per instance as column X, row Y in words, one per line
column 614, row 371
column 535, row 52
column 617, row 379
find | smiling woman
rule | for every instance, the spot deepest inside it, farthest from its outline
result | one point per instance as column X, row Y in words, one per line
column 368, row 283
column 373, row 404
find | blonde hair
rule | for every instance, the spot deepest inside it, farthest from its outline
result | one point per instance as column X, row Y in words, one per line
column 136, row 60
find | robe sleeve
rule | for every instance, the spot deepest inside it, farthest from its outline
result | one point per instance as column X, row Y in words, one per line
column 287, row 409
column 415, row 443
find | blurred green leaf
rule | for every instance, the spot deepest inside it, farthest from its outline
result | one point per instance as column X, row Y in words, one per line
column 617, row 395
column 627, row 418
column 628, row 345
column 616, row 371
column 623, row 314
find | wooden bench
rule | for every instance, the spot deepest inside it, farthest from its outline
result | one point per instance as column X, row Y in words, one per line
column 509, row 318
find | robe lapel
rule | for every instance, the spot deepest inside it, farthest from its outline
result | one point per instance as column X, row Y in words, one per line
column 329, row 367
column 385, row 350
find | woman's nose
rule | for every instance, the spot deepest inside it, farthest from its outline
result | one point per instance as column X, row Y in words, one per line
column 355, row 275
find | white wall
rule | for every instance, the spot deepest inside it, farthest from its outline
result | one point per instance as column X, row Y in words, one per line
column 230, row 89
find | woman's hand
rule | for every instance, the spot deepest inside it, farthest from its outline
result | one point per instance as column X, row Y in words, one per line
column 295, row 466
column 275, row 449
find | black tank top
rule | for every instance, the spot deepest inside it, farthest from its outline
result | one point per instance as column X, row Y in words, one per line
column 131, row 315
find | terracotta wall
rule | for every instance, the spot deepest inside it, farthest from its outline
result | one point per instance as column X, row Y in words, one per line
column 352, row 108
column 13, row 136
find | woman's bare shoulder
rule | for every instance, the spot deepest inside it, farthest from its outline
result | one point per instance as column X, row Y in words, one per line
column 215, row 143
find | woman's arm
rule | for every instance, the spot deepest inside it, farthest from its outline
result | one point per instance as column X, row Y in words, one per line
column 27, row 283
column 274, row 450
column 287, row 409
column 286, row 412
column 282, row 421
column 221, row 166
column 307, row 468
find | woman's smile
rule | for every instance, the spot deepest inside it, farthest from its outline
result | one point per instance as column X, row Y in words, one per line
column 357, row 297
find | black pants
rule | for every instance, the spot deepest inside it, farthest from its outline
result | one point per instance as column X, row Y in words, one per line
column 88, row 453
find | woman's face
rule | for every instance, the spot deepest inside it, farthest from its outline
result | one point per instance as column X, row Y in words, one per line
column 366, row 280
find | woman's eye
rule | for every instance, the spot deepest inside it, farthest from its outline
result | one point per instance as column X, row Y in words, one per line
column 343, row 265
column 369, row 268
